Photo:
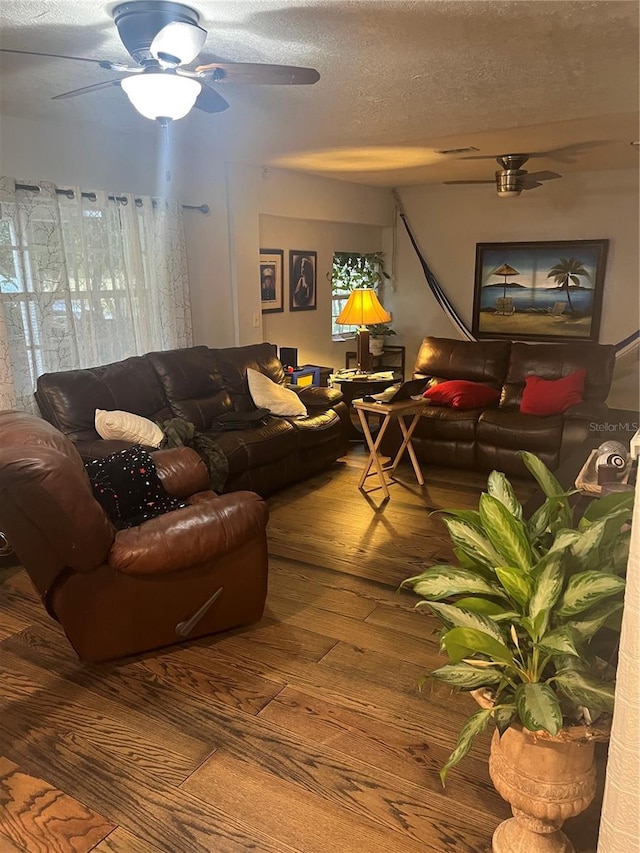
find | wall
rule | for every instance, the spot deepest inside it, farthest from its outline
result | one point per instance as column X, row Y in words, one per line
column 222, row 246
column 255, row 193
column 310, row 331
column 448, row 221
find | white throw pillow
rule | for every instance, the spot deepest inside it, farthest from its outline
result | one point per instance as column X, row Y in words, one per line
column 128, row 427
column 269, row 395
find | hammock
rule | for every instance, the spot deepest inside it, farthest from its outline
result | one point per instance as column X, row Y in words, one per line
column 623, row 348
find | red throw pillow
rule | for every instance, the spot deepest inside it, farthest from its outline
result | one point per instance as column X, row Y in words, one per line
column 461, row 394
column 552, row 396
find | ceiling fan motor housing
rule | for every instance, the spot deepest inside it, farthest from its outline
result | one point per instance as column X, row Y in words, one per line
column 510, row 182
column 139, row 22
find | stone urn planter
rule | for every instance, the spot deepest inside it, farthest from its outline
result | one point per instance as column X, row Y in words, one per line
column 545, row 780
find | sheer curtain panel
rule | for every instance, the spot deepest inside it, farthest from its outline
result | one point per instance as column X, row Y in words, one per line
column 85, row 281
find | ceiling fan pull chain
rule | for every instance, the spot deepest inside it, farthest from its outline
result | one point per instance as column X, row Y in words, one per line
column 165, row 147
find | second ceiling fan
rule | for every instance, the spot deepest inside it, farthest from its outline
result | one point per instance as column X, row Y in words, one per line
column 512, row 179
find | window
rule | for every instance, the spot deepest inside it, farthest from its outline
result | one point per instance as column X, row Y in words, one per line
column 352, row 270
column 85, row 282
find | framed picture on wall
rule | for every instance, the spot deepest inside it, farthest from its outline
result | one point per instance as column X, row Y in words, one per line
column 271, row 280
column 302, row 280
column 549, row 291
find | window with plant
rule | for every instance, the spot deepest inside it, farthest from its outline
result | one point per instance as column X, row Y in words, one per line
column 352, row 270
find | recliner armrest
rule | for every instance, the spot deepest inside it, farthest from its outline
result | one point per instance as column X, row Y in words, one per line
column 318, row 398
column 182, row 471
column 188, row 537
column 588, row 411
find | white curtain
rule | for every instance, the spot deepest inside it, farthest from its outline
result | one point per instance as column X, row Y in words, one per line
column 85, row 282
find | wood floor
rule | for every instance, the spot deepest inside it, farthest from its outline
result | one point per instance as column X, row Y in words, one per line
column 305, row 733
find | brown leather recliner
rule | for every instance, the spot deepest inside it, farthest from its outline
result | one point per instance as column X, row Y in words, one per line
column 191, row 572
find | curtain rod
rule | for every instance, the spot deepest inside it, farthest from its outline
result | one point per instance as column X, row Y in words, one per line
column 203, row 208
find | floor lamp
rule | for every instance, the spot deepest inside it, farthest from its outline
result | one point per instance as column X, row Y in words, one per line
column 363, row 309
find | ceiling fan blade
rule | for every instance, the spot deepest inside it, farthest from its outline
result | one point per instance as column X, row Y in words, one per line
column 52, row 55
column 103, row 63
column 542, row 176
column 531, row 185
column 178, row 41
column 252, row 72
column 468, row 182
column 85, row 89
column 210, row 101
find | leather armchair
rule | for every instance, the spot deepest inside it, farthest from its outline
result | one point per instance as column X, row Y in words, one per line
column 185, row 574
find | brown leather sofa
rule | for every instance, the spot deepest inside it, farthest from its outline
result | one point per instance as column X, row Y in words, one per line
column 190, row 572
column 491, row 438
column 199, row 384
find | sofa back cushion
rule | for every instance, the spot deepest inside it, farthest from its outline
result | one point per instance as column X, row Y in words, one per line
column 476, row 361
column 193, row 384
column 233, row 363
column 69, row 399
column 554, row 361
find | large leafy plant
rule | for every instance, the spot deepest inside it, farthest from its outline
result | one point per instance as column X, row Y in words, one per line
column 352, row 271
column 525, row 610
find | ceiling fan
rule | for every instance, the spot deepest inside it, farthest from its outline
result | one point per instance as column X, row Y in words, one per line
column 164, row 37
column 512, row 179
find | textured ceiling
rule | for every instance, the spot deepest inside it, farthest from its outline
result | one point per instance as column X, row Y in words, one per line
column 398, row 80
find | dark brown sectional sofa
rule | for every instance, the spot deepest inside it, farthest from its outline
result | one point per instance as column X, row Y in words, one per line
column 491, row 438
column 199, row 384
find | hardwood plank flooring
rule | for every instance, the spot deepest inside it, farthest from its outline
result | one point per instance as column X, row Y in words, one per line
column 303, row 733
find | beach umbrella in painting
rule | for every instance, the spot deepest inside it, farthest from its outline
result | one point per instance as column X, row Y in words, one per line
column 506, row 271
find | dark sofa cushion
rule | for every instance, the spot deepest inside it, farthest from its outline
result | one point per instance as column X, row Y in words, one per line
column 247, row 449
column 477, row 361
column 553, row 361
column 508, row 428
column 233, row 363
column 70, row 398
column 442, row 423
column 193, row 384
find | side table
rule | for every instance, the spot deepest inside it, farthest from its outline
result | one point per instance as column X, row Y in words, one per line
column 359, row 387
column 389, row 411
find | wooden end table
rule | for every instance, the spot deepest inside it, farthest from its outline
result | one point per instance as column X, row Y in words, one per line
column 389, row 411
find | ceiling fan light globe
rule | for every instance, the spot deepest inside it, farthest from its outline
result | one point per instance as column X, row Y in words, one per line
column 180, row 40
column 162, row 95
column 508, row 193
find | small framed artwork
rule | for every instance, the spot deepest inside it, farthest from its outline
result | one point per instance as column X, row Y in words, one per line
column 302, row 280
column 271, row 280
column 547, row 291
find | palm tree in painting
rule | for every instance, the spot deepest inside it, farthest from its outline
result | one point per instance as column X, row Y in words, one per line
column 567, row 272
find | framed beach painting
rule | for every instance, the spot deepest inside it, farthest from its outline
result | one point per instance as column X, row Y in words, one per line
column 271, row 280
column 547, row 291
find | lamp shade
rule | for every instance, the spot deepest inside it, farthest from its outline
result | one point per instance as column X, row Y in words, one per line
column 363, row 309
column 161, row 95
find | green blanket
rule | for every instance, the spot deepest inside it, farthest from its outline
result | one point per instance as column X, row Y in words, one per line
column 180, row 433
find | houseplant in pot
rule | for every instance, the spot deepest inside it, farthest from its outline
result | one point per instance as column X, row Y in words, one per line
column 527, row 620
column 379, row 333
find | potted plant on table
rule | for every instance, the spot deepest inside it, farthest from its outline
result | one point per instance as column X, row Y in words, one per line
column 525, row 615
column 378, row 334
